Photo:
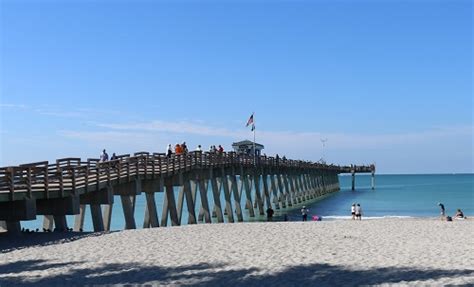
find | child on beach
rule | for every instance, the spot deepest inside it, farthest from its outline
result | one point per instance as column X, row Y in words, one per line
column 353, row 211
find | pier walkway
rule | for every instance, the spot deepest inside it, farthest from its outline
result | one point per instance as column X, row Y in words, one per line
column 69, row 185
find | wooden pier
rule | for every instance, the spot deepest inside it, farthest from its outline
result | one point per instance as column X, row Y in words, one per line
column 69, row 185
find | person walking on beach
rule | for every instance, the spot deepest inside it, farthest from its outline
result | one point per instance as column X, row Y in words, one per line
column 270, row 213
column 304, row 213
column 353, row 211
column 358, row 212
column 443, row 211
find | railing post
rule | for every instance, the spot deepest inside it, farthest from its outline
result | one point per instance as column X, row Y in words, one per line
column 128, row 170
column 97, row 174
column 137, row 166
column 73, row 169
column 59, row 172
column 108, row 174
column 10, row 175
column 146, row 165
column 28, row 182
column 46, row 181
column 86, row 181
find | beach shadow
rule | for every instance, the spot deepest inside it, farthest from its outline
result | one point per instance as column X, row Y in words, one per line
column 28, row 265
column 219, row 275
column 9, row 243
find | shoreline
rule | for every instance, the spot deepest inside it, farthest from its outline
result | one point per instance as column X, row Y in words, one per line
column 262, row 219
column 326, row 253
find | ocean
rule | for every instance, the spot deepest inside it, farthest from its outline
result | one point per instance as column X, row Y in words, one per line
column 399, row 196
column 394, row 196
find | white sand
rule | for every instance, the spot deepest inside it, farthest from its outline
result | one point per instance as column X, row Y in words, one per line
column 332, row 253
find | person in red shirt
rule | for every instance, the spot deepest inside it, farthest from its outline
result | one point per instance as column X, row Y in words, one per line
column 178, row 149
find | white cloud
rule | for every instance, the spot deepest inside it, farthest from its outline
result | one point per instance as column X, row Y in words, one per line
column 288, row 139
column 13, row 106
column 176, row 127
column 106, row 136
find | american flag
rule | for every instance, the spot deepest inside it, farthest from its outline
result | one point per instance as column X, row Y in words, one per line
column 250, row 121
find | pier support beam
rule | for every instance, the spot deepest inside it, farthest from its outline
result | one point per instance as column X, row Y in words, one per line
column 228, row 202
column 169, row 206
column 190, row 202
column 60, row 223
column 127, row 204
column 48, row 222
column 237, row 191
column 107, row 215
column 258, row 195
column 78, row 221
column 248, row 195
column 13, row 227
column 373, row 180
column 97, row 220
column 273, row 186
column 353, row 180
column 151, row 215
column 204, row 212
column 216, row 197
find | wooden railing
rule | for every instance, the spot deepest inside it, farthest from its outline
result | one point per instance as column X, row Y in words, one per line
column 72, row 174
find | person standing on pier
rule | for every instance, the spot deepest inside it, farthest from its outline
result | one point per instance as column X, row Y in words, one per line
column 178, row 149
column 184, row 147
column 304, row 213
column 169, row 151
column 104, row 156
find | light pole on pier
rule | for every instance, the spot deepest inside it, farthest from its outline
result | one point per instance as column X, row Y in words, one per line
column 323, row 141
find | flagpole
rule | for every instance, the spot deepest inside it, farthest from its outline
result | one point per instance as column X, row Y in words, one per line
column 254, row 151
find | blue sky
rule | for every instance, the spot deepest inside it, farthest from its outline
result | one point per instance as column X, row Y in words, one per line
column 388, row 82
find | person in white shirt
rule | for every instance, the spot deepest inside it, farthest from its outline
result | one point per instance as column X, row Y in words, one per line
column 104, row 156
column 358, row 212
column 199, row 148
column 353, row 211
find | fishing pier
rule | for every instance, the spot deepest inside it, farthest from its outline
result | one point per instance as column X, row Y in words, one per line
column 234, row 183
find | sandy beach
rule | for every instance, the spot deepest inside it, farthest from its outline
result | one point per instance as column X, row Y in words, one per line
column 328, row 253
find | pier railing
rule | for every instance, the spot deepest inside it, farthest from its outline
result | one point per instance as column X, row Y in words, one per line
column 73, row 174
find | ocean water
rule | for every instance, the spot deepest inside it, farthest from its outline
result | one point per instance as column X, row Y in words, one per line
column 399, row 196
column 394, row 195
